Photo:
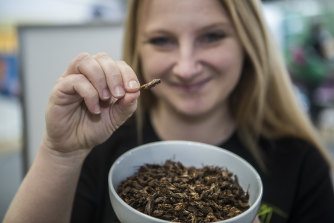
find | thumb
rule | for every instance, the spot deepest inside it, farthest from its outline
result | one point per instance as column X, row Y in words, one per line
column 125, row 107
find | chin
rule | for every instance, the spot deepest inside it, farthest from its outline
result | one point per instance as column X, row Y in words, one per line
column 194, row 111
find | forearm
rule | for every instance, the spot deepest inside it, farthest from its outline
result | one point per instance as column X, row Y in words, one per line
column 47, row 192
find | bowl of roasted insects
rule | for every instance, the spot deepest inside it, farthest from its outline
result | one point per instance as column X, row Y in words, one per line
column 183, row 181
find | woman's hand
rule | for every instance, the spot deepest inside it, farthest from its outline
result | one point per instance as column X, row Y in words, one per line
column 89, row 102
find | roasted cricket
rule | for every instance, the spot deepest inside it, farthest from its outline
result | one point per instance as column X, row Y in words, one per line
column 150, row 84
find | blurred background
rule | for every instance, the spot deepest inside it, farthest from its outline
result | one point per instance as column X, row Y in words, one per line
column 39, row 37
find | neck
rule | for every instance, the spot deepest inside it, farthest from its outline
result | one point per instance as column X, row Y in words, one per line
column 213, row 128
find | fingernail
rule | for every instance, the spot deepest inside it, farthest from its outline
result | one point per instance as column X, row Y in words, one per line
column 133, row 84
column 119, row 91
column 106, row 93
column 97, row 109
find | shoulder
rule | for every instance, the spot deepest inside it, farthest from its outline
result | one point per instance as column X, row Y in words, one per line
column 306, row 155
column 298, row 150
column 314, row 195
column 294, row 153
column 298, row 180
column 288, row 143
column 296, row 160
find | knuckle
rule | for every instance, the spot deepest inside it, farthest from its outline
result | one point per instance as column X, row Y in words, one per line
column 88, row 91
column 121, row 63
column 91, row 94
column 80, row 78
column 82, row 57
column 102, row 55
column 124, row 67
column 116, row 77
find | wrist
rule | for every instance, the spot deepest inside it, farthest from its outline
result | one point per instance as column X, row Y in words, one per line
column 56, row 154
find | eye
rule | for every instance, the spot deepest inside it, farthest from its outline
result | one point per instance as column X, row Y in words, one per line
column 212, row 37
column 160, row 41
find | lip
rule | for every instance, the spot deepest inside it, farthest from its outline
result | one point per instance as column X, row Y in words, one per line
column 191, row 87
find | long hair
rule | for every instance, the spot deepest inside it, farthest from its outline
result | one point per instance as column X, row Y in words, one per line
column 264, row 102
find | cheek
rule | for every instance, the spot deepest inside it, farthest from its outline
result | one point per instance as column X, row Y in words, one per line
column 227, row 63
column 227, row 59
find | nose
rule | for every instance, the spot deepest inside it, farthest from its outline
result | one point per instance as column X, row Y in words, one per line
column 187, row 63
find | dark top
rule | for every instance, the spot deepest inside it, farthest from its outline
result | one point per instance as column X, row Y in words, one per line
column 297, row 187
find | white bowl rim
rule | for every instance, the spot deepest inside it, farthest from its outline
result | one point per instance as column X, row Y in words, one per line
column 209, row 146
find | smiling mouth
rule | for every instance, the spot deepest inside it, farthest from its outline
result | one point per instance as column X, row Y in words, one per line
column 191, row 86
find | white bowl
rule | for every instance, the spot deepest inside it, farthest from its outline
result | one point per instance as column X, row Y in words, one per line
column 189, row 154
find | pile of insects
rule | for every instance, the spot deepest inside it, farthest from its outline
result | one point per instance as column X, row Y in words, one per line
column 177, row 193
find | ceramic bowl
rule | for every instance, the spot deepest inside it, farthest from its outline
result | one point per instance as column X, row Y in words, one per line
column 189, row 154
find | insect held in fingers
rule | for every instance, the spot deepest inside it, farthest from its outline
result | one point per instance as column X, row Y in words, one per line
column 146, row 86
column 150, row 84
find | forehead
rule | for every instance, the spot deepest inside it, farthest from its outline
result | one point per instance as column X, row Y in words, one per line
column 181, row 13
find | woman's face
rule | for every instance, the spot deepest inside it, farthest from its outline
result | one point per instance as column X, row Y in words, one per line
column 193, row 48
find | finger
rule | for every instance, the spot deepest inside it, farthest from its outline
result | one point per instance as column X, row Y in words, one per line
column 112, row 74
column 77, row 88
column 128, row 104
column 130, row 79
column 88, row 66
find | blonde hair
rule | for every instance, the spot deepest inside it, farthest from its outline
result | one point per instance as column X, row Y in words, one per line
column 263, row 103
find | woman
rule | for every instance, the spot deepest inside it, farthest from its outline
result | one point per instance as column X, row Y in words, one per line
column 223, row 83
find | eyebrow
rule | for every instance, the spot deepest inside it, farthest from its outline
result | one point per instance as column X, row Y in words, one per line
column 218, row 25
column 163, row 31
